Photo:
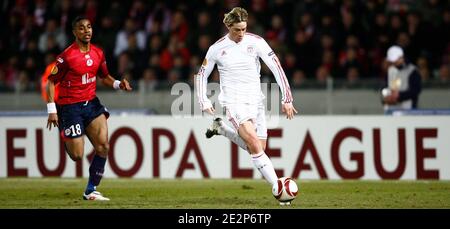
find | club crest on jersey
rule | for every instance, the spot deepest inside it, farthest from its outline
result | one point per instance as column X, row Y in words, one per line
column 60, row 60
column 54, row 70
column 223, row 53
column 89, row 62
column 250, row 49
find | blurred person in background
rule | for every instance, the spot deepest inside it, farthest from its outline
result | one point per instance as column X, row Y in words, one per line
column 404, row 82
column 44, row 80
column 53, row 38
column 444, row 74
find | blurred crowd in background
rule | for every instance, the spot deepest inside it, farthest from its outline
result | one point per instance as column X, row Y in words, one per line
column 158, row 43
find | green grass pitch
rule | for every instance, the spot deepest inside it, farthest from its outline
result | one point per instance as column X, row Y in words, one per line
column 50, row 193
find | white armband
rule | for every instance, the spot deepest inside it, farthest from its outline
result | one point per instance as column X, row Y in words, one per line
column 51, row 108
column 116, row 84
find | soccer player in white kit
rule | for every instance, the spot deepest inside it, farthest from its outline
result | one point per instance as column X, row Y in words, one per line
column 237, row 57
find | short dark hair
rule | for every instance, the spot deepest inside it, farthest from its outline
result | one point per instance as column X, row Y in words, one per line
column 77, row 19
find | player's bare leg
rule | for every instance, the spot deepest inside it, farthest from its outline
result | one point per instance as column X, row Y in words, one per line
column 97, row 132
column 75, row 148
column 263, row 144
column 218, row 127
column 248, row 134
column 255, row 147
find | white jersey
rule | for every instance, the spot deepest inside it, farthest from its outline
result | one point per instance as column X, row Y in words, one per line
column 239, row 70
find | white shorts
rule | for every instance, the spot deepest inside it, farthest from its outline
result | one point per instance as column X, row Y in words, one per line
column 240, row 113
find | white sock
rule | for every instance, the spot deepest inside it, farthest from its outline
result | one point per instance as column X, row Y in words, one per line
column 263, row 163
column 231, row 134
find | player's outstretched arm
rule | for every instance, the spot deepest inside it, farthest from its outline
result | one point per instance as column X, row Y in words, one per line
column 52, row 119
column 116, row 84
column 270, row 58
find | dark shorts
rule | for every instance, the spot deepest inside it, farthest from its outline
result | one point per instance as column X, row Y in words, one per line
column 74, row 118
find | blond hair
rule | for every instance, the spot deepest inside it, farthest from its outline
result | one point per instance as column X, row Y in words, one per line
column 236, row 15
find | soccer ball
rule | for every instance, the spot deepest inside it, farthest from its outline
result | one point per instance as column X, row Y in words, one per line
column 285, row 190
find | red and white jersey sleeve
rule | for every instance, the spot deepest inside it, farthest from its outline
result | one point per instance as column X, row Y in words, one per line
column 272, row 61
column 59, row 70
column 201, row 79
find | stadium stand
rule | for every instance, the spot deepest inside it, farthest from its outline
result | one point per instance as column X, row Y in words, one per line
column 156, row 44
